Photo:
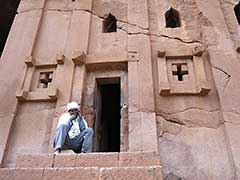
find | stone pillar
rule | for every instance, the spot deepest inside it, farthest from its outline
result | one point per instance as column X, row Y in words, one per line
column 225, row 68
column 142, row 118
column 78, row 44
column 74, row 72
column 21, row 41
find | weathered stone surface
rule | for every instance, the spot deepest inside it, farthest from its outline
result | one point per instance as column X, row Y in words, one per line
column 65, row 160
column 5, row 126
column 165, row 126
column 26, row 5
column 233, row 131
column 4, row 174
column 185, row 154
column 139, row 159
column 97, row 160
column 194, row 117
column 32, row 139
column 71, row 173
column 197, row 132
column 131, row 173
column 26, row 173
column 118, row 8
column 34, row 160
column 172, row 176
column 142, row 131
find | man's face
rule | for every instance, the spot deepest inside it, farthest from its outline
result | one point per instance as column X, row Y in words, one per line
column 73, row 112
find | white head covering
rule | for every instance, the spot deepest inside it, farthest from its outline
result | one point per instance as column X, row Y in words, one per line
column 72, row 105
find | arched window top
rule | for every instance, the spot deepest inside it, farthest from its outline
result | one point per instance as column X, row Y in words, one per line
column 172, row 18
column 237, row 12
column 110, row 24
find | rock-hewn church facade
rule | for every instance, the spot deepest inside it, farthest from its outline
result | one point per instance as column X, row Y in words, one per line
column 157, row 80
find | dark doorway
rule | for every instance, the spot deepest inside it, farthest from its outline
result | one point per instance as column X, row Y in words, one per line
column 107, row 123
column 8, row 10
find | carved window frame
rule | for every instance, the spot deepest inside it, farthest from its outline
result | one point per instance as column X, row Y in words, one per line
column 200, row 84
column 29, row 90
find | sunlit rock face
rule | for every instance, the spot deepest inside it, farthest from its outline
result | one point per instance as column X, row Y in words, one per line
column 157, row 80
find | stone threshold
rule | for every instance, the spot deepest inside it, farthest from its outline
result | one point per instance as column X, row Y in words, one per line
column 122, row 159
column 83, row 173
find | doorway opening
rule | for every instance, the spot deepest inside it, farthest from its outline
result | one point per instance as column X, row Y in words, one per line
column 107, row 122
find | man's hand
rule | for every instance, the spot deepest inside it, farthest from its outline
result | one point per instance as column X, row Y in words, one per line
column 74, row 116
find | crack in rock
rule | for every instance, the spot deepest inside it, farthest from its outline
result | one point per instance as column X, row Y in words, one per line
column 234, row 112
column 189, row 123
column 177, row 38
column 7, row 115
column 228, row 76
column 230, row 122
column 160, row 36
column 190, row 108
column 173, row 120
column 131, row 25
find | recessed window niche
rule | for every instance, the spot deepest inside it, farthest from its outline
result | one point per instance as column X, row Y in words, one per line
column 110, row 24
column 172, row 18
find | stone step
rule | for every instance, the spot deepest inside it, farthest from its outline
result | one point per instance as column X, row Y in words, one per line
column 83, row 173
column 123, row 159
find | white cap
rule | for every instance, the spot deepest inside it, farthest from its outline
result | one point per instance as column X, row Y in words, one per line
column 72, row 105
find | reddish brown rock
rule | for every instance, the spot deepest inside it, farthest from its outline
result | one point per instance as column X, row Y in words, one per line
column 26, row 173
column 36, row 161
column 97, row 160
column 65, row 160
column 176, row 65
column 71, row 173
column 139, row 159
column 4, row 174
column 131, row 173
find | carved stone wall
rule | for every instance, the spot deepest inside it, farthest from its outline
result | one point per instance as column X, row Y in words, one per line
column 177, row 62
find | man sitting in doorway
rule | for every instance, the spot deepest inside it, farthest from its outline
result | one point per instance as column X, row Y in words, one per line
column 73, row 132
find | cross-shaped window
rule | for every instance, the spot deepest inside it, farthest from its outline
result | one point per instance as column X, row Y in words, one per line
column 180, row 70
column 45, row 79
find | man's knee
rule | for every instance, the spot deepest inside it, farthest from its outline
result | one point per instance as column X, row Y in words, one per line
column 89, row 130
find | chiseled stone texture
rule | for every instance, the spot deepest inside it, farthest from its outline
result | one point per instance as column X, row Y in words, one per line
column 131, row 173
column 233, row 134
column 195, row 153
column 31, row 131
column 101, row 160
column 71, row 173
column 35, row 160
column 4, row 173
column 26, row 173
column 197, row 136
column 139, row 159
column 83, row 173
column 65, row 160
column 97, row 160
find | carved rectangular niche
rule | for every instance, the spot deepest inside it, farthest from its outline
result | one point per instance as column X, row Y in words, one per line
column 39, row 81
column 181, row 74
